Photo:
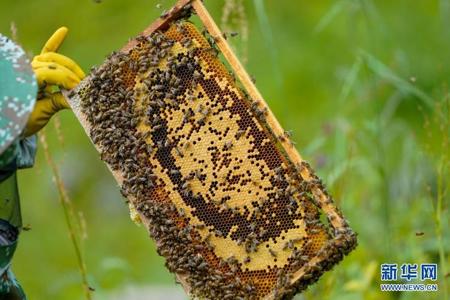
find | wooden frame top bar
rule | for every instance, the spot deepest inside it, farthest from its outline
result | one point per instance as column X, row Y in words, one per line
column 161, row 23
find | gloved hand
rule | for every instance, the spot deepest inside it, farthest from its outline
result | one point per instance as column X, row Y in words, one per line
column 53, row 72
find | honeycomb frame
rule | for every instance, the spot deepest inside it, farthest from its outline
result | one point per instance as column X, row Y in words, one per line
column 217, row 182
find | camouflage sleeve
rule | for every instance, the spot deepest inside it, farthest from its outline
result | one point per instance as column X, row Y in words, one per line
column 26, row 152
column 19, row 155
column 7, row 159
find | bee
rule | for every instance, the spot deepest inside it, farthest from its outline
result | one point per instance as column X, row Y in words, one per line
column 174, row 172
column 240, row 133
column 257, row 211
column 200, row 226
column 227, row 146
column 331, row 218
column 206, row 111
column 279, row 170
column 213, row 50
column 252, row 226
column 180, row 28
column 288, row 133
column 262, row 233
column 178, row 151
column 197, row 76
column 254, row 105
column 224, row 206
column 201, row 120
column 190, row 97
column 198, row 174
column 272, row 253
column 207, row 237
column 181, row 212
column 304, row 257
column 261, row 112
column 157, row 127
column 288, row 245
column 186, row 145
column 27, row 227
column 247, row 260
column 279, row 178
column 186, row 192
column 222, row 264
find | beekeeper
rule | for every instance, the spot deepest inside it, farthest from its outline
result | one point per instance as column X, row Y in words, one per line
column 30, row 94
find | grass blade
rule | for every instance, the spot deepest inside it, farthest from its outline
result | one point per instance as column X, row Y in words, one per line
column 335, row 10
column 264, row 26
column 401, row 84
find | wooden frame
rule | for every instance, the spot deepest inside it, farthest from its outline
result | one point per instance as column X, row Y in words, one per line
column 323, row 200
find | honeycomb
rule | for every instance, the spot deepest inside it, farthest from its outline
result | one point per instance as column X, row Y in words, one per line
column 233, row 216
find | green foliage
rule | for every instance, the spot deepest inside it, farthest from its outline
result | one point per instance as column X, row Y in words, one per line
column 364, row 87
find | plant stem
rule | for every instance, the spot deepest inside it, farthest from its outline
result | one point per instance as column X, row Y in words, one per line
column 65, row 203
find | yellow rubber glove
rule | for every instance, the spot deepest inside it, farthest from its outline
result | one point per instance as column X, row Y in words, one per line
column 53, row 72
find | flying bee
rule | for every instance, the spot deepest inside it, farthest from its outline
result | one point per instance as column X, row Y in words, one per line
column 288, row 133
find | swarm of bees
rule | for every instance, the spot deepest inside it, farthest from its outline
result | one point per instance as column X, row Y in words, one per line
column 200, row 164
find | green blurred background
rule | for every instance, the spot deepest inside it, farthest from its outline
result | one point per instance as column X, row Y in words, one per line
column 362, row 84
